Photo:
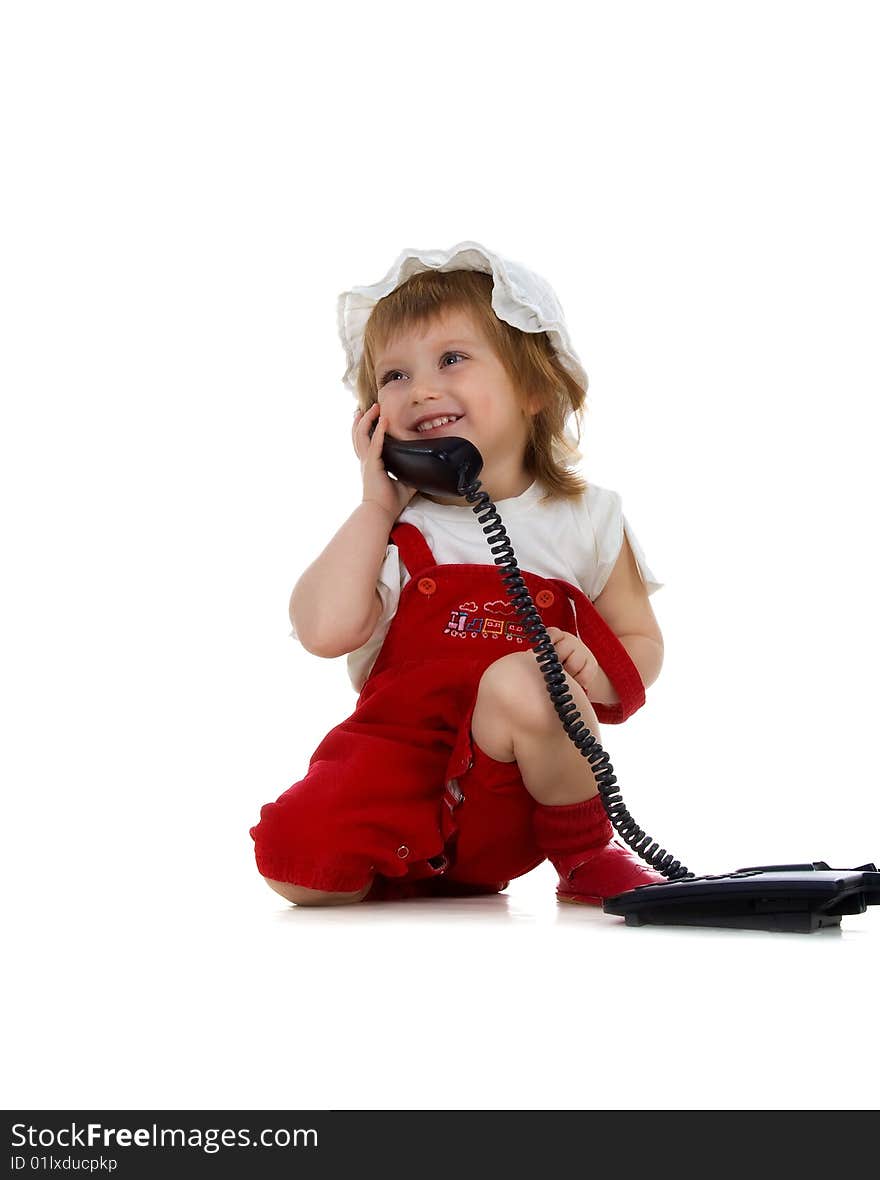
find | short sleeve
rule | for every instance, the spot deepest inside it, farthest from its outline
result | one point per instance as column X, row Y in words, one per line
column 389, row 584
column 608, row 526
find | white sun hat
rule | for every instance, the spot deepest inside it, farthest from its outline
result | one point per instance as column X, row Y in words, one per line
column 519, row 297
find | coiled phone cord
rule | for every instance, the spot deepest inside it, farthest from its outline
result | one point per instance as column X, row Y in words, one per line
column 641, row 843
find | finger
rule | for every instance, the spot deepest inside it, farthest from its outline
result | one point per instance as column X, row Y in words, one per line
column 362, row 416
column 573, row 664
column 362, row 426
column 371, row 420
column 578, row 665
column 563, row 650
column 378, row 437
column 560, row 634
column 356, row 421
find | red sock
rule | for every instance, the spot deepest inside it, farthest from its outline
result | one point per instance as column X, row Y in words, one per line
column 571, row 828
column 577, row 839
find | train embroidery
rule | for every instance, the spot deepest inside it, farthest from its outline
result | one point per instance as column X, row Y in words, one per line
column 466, row 622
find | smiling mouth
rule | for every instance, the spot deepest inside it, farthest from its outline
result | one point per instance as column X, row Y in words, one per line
column 437, row 429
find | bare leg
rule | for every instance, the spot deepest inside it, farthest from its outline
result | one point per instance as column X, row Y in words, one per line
column 299, row 895
column 514, row 720
column 552, row 768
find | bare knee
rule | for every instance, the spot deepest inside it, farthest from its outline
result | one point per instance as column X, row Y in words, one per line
column 512, row 696
column 299, row 895
column 508, row 697
column 515, row 687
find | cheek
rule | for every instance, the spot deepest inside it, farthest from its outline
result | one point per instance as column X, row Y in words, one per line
column 499, row 417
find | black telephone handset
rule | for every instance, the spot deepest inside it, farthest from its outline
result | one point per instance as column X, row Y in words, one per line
column 770, row 897
column 439, row 466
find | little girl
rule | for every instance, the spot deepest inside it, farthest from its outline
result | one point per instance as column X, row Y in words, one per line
column 454, row 773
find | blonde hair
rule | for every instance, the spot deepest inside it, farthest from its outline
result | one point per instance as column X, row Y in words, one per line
column 535, row 370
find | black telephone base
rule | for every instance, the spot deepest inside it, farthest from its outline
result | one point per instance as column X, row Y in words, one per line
column 795, row 898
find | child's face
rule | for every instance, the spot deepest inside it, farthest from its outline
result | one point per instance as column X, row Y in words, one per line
column 450, row 368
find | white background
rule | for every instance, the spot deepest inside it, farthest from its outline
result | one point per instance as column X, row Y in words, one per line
column 188, row 188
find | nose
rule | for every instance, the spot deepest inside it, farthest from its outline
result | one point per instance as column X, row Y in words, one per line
column 422, row 404
column 421, row 391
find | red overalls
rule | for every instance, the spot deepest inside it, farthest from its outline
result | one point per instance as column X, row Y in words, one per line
column 400, row 789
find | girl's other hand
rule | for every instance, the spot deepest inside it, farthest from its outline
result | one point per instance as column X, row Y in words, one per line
column 390, row 494
column 575, row 657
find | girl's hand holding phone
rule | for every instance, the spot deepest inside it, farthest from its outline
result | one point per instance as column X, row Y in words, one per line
column 390, row 494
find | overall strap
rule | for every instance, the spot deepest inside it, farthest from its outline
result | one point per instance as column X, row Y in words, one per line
column 414, row 549
column 613, row 657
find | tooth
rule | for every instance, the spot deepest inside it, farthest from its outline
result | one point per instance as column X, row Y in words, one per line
column 435, row 422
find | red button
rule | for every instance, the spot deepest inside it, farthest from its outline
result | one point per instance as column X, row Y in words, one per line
column 545, row 598
column 403, row 852
column 427, row 585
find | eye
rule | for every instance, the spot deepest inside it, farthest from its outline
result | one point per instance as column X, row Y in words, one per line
column 396, row 372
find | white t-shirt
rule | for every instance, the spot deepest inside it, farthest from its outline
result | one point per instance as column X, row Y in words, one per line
column 578, row 540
